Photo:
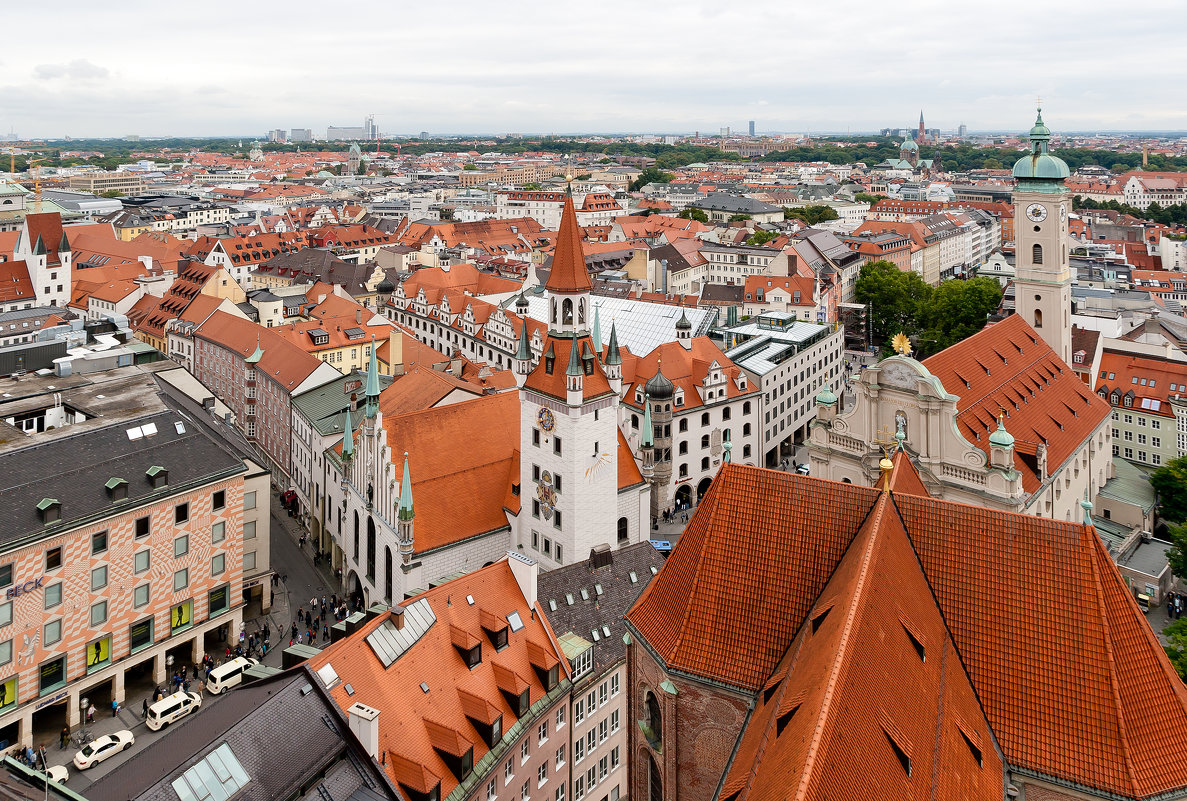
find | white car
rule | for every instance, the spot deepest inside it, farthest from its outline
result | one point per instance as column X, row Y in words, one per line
column 103, row 747
column 58, row 774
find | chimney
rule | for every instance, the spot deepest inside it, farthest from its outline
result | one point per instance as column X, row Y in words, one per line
column 364, row 724
column 526, row 570
column 398, row 617
column 358, row 316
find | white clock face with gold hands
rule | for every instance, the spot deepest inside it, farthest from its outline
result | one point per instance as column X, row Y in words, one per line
column 1036, row 212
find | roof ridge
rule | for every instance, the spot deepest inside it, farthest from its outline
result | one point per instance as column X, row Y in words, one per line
column 1108, row 642
column 874, row 520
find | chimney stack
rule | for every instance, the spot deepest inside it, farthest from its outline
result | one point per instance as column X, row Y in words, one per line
column 364, row 724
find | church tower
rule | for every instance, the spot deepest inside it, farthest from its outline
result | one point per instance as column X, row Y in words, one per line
column 568, row 423
column 1043, row 276
column 922, row 136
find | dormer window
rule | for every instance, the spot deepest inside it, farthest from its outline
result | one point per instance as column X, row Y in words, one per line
column 117, row 489
column 50, row 510
column 157, row 476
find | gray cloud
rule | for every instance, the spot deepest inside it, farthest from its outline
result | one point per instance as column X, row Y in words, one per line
column 79, row 70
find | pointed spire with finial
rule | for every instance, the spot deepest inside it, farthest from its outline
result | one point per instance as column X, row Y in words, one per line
column 525, row 345
column 613, row 357
column 372, row 388
column 347, row 437
column 574, row 359
column 406, row 511
column 596, row 334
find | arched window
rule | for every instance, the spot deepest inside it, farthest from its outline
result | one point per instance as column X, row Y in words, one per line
column 370, row 549
column 567, row 312
column 705, row 418
column 655, row 782
column 1038, row 318
column 683, row 471
column 387, row 574
column 1037, row 254
column 683, row 424
column 623, row 534
column 705, row 463
column 725, row 413
column 553, row 312
column 635, row 422
column 683, row 449
column 655, row 721
column 704, row 440
column 746, row 407
column 581, row 317
column 746, row 429
column 356, row 537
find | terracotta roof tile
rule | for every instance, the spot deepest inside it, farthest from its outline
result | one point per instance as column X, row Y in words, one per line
column 569, row 273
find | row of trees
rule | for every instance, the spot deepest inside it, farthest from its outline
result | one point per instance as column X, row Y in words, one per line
column 1175, row 214
column 810, row 215
column 934, row 317
column 1170, row 482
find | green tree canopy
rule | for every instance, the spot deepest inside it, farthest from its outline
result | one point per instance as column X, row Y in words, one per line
column 651, row 175
column 1170, row 482
column 1176, row 645
column 810, row 215
column 532, row 186
column 694, row 214
column 866, row 197
column 895, row 298
column 956, row 310
column 469, row 166
column 761, row 237
column 739, row 217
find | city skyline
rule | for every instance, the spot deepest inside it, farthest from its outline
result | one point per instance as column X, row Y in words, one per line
column 546, row 71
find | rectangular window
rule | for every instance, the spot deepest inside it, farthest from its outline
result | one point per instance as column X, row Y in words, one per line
column 523, row 792
column 525, row 751
column 578, row 750
column 603, row 767
column 181, row 546
column 218, row 532
column 98, row 542
column 53, row 558
column 143, row 527
column 536, row 437
column 591, row 741
column 249, row 530
column 614, row 685
column 492, row 790
column 218, row 500
column 591, row 701
column 141, row 595
column 579, row 788
column 141, row 561
column 5, row 575
column 140, row 634
column 218, row 601
column 181, row 579
column 5, row 652
column 542, row 733
column 52, row 633
column 99, row 613
column 52, row 674
column 556, row 445
column 603, row 731
column 249, row 500
column 560, row 757
column 615, row 757
column 98, row 578
column 99, row 653
column 508, row 773
column 6, row 613
column 578, row 711
column 181, row 513
column 53, row 595
column 249, row 560
column 556, row 521
column 614, row 721
column 542, row 774
column 560, row 718
column 218, row 564
column 182, row 615
column 603, row 693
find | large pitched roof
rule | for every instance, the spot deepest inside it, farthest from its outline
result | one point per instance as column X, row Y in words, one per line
column 282, row 361
column 1007, row 367
column 1070, row 678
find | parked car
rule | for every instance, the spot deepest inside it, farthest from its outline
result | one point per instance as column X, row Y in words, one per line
column 171, row 708
column 58, row 774
column 102, row 748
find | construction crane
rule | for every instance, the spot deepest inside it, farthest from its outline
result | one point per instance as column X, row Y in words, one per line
column 35, row 171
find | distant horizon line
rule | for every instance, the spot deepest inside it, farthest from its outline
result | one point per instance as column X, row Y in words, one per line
column 1160, row 133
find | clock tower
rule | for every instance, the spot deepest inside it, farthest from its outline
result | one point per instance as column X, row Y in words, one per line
column 568, row 422
column 1043, row 276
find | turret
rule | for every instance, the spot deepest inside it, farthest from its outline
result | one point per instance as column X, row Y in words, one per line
column 684, row 331
column 647, row 443
column 522, row 364
column 826, row 406
column 521, row 305
column 1001, row 447
column 574, row 376
column 372, row 388
column 405, row 516
column 613, row 361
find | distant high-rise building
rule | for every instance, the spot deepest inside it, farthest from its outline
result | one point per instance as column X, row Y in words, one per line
column 752, row 127
column 962, row 131
column 725, row 132
column 424, row 134
column 370, row 132
column 367, row 131
column 301, row 135
column 277, row 135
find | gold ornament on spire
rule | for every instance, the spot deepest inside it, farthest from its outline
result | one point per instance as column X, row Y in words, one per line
column 901, row 344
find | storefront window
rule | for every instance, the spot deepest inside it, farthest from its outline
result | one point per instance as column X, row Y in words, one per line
column 99, row 653
column 219, row 600
column 53, row 675
column 140, row 634
column 181, row 616
column 8, row 694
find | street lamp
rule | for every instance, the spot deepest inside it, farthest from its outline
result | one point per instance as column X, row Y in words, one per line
column 83, row 704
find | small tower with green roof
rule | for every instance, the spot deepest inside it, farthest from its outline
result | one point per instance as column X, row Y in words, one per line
column 405, row 516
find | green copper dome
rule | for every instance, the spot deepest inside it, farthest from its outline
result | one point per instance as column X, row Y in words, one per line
column 1040, row 166
column 1001, row 437
column 909, row 145
column 826, row 397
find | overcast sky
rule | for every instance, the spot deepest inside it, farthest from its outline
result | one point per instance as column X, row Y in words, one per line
column 220, row 68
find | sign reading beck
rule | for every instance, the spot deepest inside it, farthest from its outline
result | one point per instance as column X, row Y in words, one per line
column 22, row 589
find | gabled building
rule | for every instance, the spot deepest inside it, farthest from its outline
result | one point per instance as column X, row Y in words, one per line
column 851, row 656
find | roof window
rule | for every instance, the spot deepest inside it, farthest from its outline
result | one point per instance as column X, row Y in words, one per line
column 818, row 621
column 899, row 753
column 915, row 643
column 50, row 510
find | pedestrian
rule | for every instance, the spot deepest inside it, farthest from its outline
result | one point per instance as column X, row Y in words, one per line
column 201, row 688
column 325, row 632
column 115, row 708
column 144, row 709
column 91, row 714
column 65, row 736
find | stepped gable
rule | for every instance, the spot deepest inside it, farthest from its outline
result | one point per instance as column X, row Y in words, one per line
column 1070, row 676
column 756, row 555
column 1007, row 367
column 874, row 666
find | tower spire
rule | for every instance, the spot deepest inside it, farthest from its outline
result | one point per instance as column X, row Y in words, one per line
column 405, row 516
column 372, row 389
column 347, row 437
column 597, row 330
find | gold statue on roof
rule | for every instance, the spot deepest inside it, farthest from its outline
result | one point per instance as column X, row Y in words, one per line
column 901, row 344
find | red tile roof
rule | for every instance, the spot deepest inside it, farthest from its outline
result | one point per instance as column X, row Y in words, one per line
column 15, row 284
column 1147, row 383
column 1008, row 367
column 548, row 376
column 569, row 273
column 1073, row 683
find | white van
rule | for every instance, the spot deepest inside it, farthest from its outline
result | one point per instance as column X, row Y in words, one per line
column 171, row 708
column 227, row 675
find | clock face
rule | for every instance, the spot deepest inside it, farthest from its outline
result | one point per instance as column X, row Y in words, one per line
column 546, row 420
column 1036, row 212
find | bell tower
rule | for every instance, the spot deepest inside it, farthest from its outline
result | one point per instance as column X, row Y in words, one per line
column 1043, row 276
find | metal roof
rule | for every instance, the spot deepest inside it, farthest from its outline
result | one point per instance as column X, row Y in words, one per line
column 642, row 326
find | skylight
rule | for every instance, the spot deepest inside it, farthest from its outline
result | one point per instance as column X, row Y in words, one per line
column 515, row 620
column 328, row 675
column 216, row 778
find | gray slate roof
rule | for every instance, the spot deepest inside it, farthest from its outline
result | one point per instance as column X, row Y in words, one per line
column 74, row 469
column 282, row 734
column 619, row 593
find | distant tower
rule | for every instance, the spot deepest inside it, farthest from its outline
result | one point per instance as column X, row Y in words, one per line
column 921, row 138
column 353, row 159
column 1043, row 276
column 752, row 129
column 255, row 154
column 909, row 152
column 406, row 517
column 659, row 392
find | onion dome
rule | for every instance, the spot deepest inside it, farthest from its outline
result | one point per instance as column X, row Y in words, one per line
column 1001, row 437
column 826, row 397
column 659, row 387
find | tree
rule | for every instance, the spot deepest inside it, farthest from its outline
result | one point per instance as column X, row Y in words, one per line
column 991, row 164
column 739, row 218
column 694, row 214
column 363, row 167
column 532, row 186
column 469, row 166
column 1176, row 645
column 956, row 310
column 811, row 215
column 1176, row 555
column 761, row 237
column 866, row 197
column 1170, row 482
column 895, row 298
column 651, row 175
column 112, row 193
